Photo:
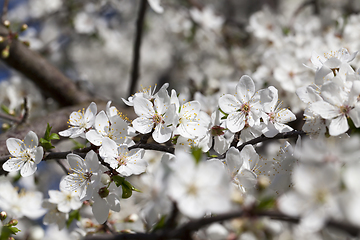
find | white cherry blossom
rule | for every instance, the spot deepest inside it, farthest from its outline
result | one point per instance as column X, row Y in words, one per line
column 337, row 106
column 122, row 160
column 158, row 116
column 189, row 122
column 65, row 200
column 26, row 154
column 199, row 188
column 275, row 117
column 80, row 122
column 243, row 107
column 85, row 176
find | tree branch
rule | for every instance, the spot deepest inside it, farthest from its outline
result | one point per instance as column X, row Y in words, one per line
column 194, row 225
column 5, row 10
column 137, row 46
column 48, row 78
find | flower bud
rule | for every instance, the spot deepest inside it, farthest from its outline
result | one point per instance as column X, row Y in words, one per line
column 36, row 233
column 13, row 222
column 263, row 182
column 131, row 218
column 7, row 23
column 2, row 39
column 217, row 131
column 6, row 52
column 103, row 192
column 105, row 179
column 24, row 27
column 3, row 215
column 26, row 43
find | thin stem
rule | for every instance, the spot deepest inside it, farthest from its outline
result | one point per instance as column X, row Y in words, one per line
column 137, row 46
column 5, row 10
column 10, row 118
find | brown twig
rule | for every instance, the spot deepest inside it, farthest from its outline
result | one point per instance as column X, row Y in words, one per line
column 10, row 118
column 5, row 10
column 137, row 45
column 185, row 230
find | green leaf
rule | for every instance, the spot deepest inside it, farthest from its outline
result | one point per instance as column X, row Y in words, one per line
column 127, row 191
column 266, row 203
column 54, row 136
column 226, row 115
column 160, row 224
column 135, row 189
column 6, row 232
column 77, row 144
column 47, row 132
column 14, row 230
column 118, row 180
column 197, row 153
column 5, row 109
column 43, row 141
column 74, row 215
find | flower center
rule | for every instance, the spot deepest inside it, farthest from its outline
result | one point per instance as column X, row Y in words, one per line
column 122, row 160
column 217, row 131
column 345, row 109
column 245, row 108
column 157, row 119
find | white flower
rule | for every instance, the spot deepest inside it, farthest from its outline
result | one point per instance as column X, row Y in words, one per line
column 199, row 188
column 274, row 117
column 242, row 108
column 189, row 122
column 104, row 201
column 314, row 195
column 17, row 205
column 26, row 154
column 80, row 122
column 114, row 128
column 145, row 93
column 85, row 176
column 155, row 5
column 122, row 160
column 65, row 200
column 337, row 106
column 159, row 116
column 54, row 215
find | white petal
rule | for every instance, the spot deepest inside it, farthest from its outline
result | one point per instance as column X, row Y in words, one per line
column 14, row 146
column 233, row 161
column 235, row 121
column 143, row 124
column 161, row 133
column 228, row 103
column 338, row 125
column 100, row 210
column 325, row 110
column 13, row 164
column 28, row 169
column 143, row 107
column 245, row 89
column 31, row 140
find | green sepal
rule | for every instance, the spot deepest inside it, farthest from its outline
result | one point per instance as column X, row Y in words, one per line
column 46, row 140
column 226, row 115
column 5, row 109
column 77, row 144
column 6, row 232
column 197, row 153
column 118, row 180
column 127, row 189
column 160, row 224
column 266, row 203
column 73, row 215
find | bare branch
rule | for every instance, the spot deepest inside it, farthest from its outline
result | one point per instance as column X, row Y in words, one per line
column 5, row 10
column 137, row 46
column 48, row 78
column 194, row 225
